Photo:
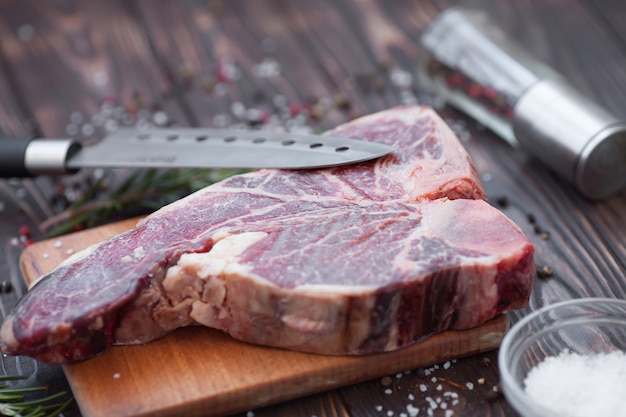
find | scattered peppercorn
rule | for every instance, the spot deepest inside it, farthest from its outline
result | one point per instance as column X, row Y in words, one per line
column 341, row 101
column 493, row 394
column 187, row 73
column 386, row 381
column 208, row 83
column 544, row 272
column 6, row 287
column 502, row 201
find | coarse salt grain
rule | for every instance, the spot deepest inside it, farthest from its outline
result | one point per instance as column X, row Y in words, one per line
column 575, row 385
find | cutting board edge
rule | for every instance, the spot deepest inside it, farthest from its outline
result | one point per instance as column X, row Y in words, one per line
column 483, row 338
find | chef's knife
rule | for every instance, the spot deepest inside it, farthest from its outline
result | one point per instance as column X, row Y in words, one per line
column 185, row 148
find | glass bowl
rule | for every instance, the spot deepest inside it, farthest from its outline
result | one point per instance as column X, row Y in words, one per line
column 589, row 327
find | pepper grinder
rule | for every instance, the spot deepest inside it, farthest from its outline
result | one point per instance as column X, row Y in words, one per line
column 472, row 65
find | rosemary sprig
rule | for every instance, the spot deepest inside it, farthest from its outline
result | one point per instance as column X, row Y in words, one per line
column 146, row 189
column 13, row 401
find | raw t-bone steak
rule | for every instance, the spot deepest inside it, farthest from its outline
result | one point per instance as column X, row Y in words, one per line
column 351, row 260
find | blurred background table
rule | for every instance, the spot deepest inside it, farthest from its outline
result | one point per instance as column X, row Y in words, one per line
column 77, row 69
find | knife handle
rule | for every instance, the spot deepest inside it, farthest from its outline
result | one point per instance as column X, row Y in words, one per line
column 32, row 157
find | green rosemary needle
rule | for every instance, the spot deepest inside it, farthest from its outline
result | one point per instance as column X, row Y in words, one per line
column 147, row 189
column 14, row 403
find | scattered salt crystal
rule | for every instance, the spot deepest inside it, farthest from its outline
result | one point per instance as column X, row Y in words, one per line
column 70, row 251
column 449, row 413
column 116, row 375
column 439, row 387
column 412, row 410
column 433, row 379
column 390, row 413
column 432, row 403
column 46, row 255
column 87, row 129
column 411, row 397
column 378, row 408
column 238, row 109
column 76, row 117
column 423, row 387
column 401, row 78
column 71, row 129
column 580, row 385
column 111, row 125
column 267, row 69
column 100, row 78
column 446, row 365
column 15, row 241
column 469, row 386
column 398, row 375
column 160, row 118
column 250, row 414
column 58, row 244
column 388, row 391
column 221, row 89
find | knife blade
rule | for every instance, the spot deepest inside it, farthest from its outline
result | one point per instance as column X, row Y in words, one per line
column 185, row 148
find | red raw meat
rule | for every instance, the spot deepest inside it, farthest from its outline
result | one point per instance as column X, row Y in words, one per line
column 350, row 260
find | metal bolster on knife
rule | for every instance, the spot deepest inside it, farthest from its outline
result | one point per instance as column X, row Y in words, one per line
column 32, row 157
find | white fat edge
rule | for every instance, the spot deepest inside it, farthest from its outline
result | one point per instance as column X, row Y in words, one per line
column 334, row 289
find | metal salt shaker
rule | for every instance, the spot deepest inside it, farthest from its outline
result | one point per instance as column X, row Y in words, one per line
column 476, row 68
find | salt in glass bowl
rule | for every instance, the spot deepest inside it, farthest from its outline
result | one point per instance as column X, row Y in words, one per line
column 585, row 326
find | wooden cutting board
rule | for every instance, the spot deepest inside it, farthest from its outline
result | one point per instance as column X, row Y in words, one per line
column 199, row 371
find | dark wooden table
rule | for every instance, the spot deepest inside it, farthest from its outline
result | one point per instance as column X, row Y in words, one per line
column 70, row 68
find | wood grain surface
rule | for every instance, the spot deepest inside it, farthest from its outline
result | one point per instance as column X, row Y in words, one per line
column 195, row 371
column 199, row 62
